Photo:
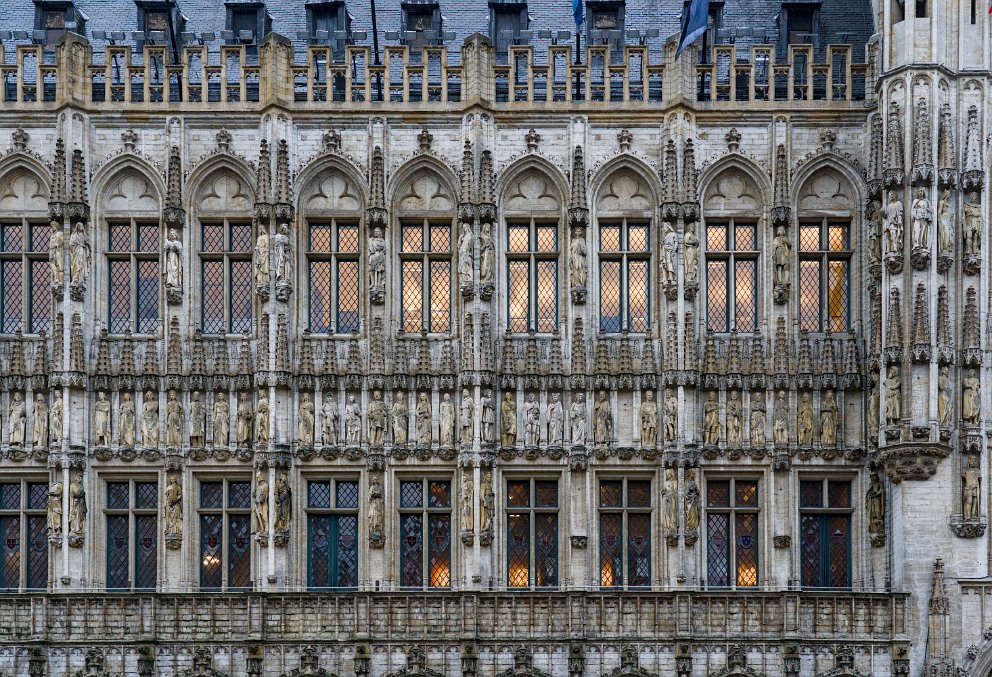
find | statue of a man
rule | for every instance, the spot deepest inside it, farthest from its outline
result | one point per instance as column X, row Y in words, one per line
column 173, row 421
column 828, row 420
column 508, row 420
column 893, row 397
column 945, row 224
column 173, row 507
column 893, row 224
column 425, row 420
column 735, row 435
column 577, row 419
column 758, row 420
column 262, row 275
column 488, row 417
column 246, row 417
column 487, row 254
column 971, row 401
column 353, row 422
column 197, row 423
column 467, row 517
column 101, row 421
column 260, row 505
column 377, row 419
column 377, row 261
column 875, row 505
column 446, row 421
column 711, row 420
column 53, row 508
column 556, row 420
column 972, row 225
column 262, row 423
column 284, row 504
column 306, row 423
column 466, row 252
column 971, row 499
column 780, row 424
column 173, row 260
column 649, row 420
column 18, row 420
column 532, row 421
column 804, row 423
column 466, row 418
column 781, row 255
column 670, row 502
column 222, row 421
column 604, row 420
column 39, row 431
column 690, row 247
column 77, row 505
column 401, row 419
column 55, row 418
column 329, row 419
column 671, row 416
column 670, row 246
column 284, row 255
column 944, row 407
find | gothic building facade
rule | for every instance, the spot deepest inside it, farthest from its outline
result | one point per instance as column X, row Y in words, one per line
column 470, row 355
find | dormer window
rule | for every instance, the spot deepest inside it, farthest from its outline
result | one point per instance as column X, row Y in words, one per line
column 328, row 23
column 604, row 25
column 506, row 20
column 423, row 19
column 55, row 18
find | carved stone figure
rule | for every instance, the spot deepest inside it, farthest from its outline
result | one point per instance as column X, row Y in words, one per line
column 284, row 255
column 466, row 418
column 150, row 432
column 604, row 420
column 127, row 422
column 375, row 506
column 670, row 247
column 874, row 409
column 222, row 421
column 876, row 226
column 944, row 406
column 262, row 419
column 56, row 254
column 377, row 419
column 197, row 425
column 735, row 431
column 377, row 261
column 577, row 419
column 804, row 422
column 17, row 419
column 173, row 506
column 670, row 511
column 55, row 418
column 945, row 224
column 101, row 421
column 971, row 225
column 508, row 420
column 329, row 420
column 711, row 420
column 401, row 419
column 262, row 275
column 466, row 252
column 173, row 421
column 671, row 416
column 649, row 420
column 691, row 500
column 532, row 422
column 77, row 506
column 875, row 505
column 758, row 420
column 446, row 421
column 173, row 261
column 577, row 258
column 893, row 224
column 971, row 502
column 246, row 417
column 260, row 506
column 487, row 255
column 467, row 518
column 79, row 255
column 488, row 418
column 425, row 420
column 690, row 245
column 305, row 426
column 39, row 431
column 781, row 256
column 284, row 504
column 53, row 507
column 352, row 422
column 971, row 400
column 893, row 397
column 488, row 503
column 922, row 218
column 556, row 420
column 828, row 420
column 780, row 422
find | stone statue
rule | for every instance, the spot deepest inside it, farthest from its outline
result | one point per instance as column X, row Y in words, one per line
column 670, row 511
column 671, row 416
column 556, row 420
column 79, row 255
column 711, row 420
column 670, row 247
column 246, row 417
column 375, row 506
column 893, row 397
column 488, row 502
column 487, row 254
column 782, row 257
column 922, row 218
column 828, row 420
column 101, row 421
column 173, row 261
column 18, row 420
column 488, row 418
column 149, row 421
column 222, row 421
column 758, row 420
column 377, row 261
column 173, row 421
column 780, row 422
column 873, row 409
column 532, row 422
column 305, row 426
column 467, row 518
column 55, row 418
column 577, row 419
column 377, row 419
column 944, row 407
column 401, row 419
column 56, row 254
column 945, row 224
column 262, row 275
column 197, row 421
column 893, row 224
column 329, row 420
column 971, row 223
column 690, row 253
column 284, row 504
column 262, row 424
column 446, row 421
column 54, row 509
column 284, row 255
column 127, row 422
column 691, row 500
column 875, row 232
column 39, row 431
column 352, row 422
column 260, row 506
column 577, row 258
column 971, row 502
column 971, row 400
column 804, row 422
column 735, row 431
column 604, row 420
column 875, row 505
column 508, row 420
column 466, row 418
column 425, row 421
column 466, row 252
column 649, row 420
column 77, row 506
column 173, row 506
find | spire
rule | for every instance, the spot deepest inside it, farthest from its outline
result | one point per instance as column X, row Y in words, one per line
column 670, row 182
column 173, row 211
column 780, row 209
column 690, row 199
column 921, row 325
column 376, row 212
column 263, row 180
column 946, row 151
column 894, row 163
column 875, row 157
column 973, row 176
column 922, row 147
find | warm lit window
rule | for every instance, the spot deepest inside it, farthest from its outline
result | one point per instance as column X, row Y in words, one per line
column 225, row 535
column 425, row 534
column 23, row 536
column 825, row 527
column 624, row 276
column 133, row 277
column 332, row 255
column 25, row 278
column 425, row 254
column 532, row 533
column 132, row 535
column 226, row 277
column 824, row 275
column 531, row 276
column 732, row 533
column 625, row 533
column 731, row 276
column 332, row 535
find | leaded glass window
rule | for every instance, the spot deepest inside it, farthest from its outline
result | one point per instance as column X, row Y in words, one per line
column 25, row 278
column 131, row 511
column 132, row 276
column 732, row 276
column 532, row 533
column 732, row 511
column 531, row 276
column 824, row 275
column 226, row 277
column 332, row 534
column 23, row 536
column 333, row 276
column 425, row 534
column 625, row 533
column 624, row 276
column 225, row 535
column 825, row 528
column 425, row 256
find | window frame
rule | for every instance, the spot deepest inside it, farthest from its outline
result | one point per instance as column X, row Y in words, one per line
column 533, row 257
column 625, row 510
column 134, row 256
column 532, row 512
column 226, row 513
column 732, row 510
column 824, row 256
column 29, row 258
column 504, row 11
column 427, row 257
column 334, row 257
column 623, row 256
column 227, row 257
column 132, row 513
column 730, row 256
column 425, row 511
column 26, row 516
column 824, row 514
column 332, row 514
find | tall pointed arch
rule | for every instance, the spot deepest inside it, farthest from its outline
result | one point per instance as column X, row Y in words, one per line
column 25, row 275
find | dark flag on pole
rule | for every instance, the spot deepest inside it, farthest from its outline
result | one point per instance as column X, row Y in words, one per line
column 694, row 24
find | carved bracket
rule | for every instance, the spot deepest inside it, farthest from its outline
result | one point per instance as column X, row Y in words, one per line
column 912, row 461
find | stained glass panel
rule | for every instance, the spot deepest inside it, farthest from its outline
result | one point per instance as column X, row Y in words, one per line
column 37, row 552
column 411, row 550
column 318, row 495
column 41, row 235
column 518, row 292
column 839, row 528
column 439, row 495
column 211, row 495
column 212, row 301
column 239, row 495
column 146, row 551
column 347, row 495
column 241, row 238
column 13, row 296
column 440, row 238
column 610, row 549
column 120, row 296
column 746, row 493
column 239, row 552
column 318, row 543
column 546, row 552
column 747, row 549
column 10, row 546
column 745, row 290
column 839, row 494
column 518, row 550
column 638, row 299
column 37, row 496
column 610, row 494
column 147, row 296
column 41, row 297
column 439, row 549
column 440, row 296
column 718, row 494
column 346, row 527
column 147, row 237
column 547, row 238
column 810, row 494
column 118, row 495
column 348, row 239
column 547, row 295
column 716, row 295
column 413, row 281
column 810, row 547
column 716, row 237
column 638, row 494
column 518, row 494
column 809, row 294
column 639, row 549
column 347, row 288
column 213, row 238
column 411, row 494
column 745, row 239
column 320, row 297
column 838, row 237
column 717, row 549
column 10, row 496
column 211, row 551
column 609, row 296
column 117, row 552
column 146, row 496
column 12, row 237
column 547, row 494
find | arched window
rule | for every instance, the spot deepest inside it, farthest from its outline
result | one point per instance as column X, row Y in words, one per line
column 25, row 276
column 732, row 212
column 624, row 222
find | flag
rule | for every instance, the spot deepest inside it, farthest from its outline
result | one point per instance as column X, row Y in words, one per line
column 694, row 24
column 578, row 11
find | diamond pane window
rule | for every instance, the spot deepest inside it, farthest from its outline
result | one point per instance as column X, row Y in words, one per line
column 133, row 277
column 532, row 276
column 225, row 535
column 23, row 536
column 25, row 278
column 624, row 276
column 732, row 519
column 425, row 258
column 824, row 276
column 825, row 527
column 333, row 271
column 731, row 276
column 425, row 534
column 332, row 535
column 624, row 533
column 132, row 535
column 532, row 533
column 226, row 277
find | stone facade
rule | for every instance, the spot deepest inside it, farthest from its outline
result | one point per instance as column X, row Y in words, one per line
column 228, row 286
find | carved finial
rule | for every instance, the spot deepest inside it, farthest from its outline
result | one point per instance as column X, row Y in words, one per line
column 331, row 141
column 174, row 188
column 77, row 361
column 425, row 139
column 129, row 138
column 263, row 180
column 58, row 178
column 921, row 324
column 174, row 356
column 282, row 344
column 486, row 179
column 103, row 354
column 938, row 591
column 670, row 181
column 827, row 139
column 894, row 162
column 377, row 196
column 284, row 188
column 973, row 176
column 150, row 365
column 198, row 363
column 19, row 139
column 690, row 175
column 943, row 318
column 946, row 153
column 781, row 212
column 467, row 175
column 578, row 346
column 628, row 658
column 737, row 658
column 875, row 156
column 246, row 365
column 578, row 179
column 127, row 355
column 733, row 138
column 922, row 146
column 306, row 363
column 17, row 355
column 78, row 177
column 894, row 329
column 691, row 346
column 972, row 327
column 223, row 140
column 533, row 139
column 624, row 137
column 377, row 347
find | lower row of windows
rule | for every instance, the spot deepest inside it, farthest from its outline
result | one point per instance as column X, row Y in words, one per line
column 224, row 518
